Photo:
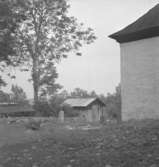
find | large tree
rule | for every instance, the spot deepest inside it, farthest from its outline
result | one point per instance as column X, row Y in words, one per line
column 46, row 36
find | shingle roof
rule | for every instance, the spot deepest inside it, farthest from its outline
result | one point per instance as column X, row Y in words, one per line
column 146, row 26
column 80, row 102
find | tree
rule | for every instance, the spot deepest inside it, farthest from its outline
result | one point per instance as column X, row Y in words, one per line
column 9, row 22
column 64, row 94
column 18, row 94
column 78, row 92
column 2, row 82
column 7, row 27
column 118, row 101
column 6, row 39
column 4, row 97
column 47, row 35
column 47, row 77
column 55, row 103
column 93, row 94
column 113, row 104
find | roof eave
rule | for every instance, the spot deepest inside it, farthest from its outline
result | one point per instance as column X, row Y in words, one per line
column 134, row 36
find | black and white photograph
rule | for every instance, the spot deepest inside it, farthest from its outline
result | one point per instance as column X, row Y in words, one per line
column 79, row 83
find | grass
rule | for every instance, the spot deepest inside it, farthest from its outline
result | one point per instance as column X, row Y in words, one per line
column 130, row 144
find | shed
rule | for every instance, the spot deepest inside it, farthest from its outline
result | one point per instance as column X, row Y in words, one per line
column 139, row 44
column 88, row 109
column 15, row 110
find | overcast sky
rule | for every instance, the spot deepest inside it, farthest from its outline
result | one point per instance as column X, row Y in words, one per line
column 99, row 67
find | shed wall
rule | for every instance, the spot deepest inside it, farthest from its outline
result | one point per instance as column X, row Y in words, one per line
column 140, row 79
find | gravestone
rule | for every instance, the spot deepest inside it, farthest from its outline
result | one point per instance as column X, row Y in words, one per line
column 61, row 116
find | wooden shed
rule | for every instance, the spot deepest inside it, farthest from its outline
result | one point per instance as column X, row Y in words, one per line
column 88, row 109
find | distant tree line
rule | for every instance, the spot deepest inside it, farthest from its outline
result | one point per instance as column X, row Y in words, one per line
column 52, row 106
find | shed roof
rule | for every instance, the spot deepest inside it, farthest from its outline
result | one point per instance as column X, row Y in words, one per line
column 14, row 108
column 80, row 102
column 146, row 26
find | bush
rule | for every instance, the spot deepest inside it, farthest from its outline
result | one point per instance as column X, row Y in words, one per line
column 44, row 109
column 56, row 102
column 69, row 111
column 33, row 124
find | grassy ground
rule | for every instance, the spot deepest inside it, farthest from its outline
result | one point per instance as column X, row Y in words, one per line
column 133, row 144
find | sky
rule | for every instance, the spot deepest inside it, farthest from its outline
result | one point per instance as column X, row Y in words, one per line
column 99, row 66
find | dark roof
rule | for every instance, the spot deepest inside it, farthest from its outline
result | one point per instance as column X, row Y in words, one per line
column 81, row 102
column 15, row 108
column 146, row 26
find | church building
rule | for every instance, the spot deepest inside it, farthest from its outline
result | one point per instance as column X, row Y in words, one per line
column 139, row 44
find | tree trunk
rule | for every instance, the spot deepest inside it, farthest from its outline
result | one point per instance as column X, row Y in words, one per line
column 36, row 98
column 35, row 77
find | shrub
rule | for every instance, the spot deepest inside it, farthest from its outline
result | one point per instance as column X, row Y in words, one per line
column 33, row 124
column 69, row 112
column 44, row 109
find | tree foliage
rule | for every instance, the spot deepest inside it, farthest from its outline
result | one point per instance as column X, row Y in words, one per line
column 4, row 97
column 78, row 92
column 113, row 104
column 2, row 82
column 69, row 111
column 47, row 83
column 55, row 103
column 9, row 20
column 18, row 95
column 46, row 36
column 6, row 30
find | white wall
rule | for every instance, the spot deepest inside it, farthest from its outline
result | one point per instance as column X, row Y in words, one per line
column 140, row 79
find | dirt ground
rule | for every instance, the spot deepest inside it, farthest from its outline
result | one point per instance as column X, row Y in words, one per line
column 130, row 144
column 14, row 131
